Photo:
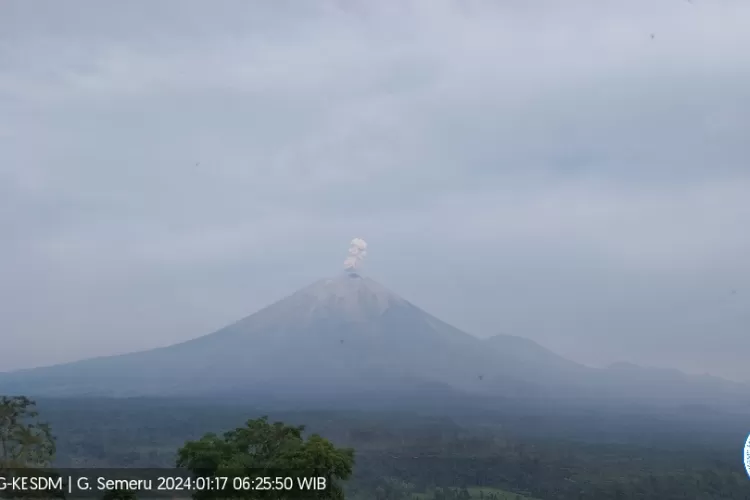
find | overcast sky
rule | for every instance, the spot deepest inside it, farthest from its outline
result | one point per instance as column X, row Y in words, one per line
column 573, row 172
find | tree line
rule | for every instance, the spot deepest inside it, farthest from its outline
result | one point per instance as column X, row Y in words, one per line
column 259, row 449
column 395, row 460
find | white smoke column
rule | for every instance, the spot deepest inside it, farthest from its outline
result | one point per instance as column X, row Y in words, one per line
column 357, row 252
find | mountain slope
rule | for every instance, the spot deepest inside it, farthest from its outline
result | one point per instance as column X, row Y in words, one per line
column 337, row 334
column 349, row 337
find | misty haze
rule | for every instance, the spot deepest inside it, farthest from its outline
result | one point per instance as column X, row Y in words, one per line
column 546, row 289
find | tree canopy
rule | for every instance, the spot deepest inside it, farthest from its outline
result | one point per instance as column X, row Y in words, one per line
column 24, row 440
column 26, row 444
column 261, row 449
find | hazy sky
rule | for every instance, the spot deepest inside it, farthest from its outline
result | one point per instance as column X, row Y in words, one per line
column 574, row 172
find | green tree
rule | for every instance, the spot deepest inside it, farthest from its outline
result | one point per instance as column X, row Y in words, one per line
column 261, row 449
column 24, row 441
column 26, row 445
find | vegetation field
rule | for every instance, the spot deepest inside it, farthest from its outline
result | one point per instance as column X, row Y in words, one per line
column 408, row 456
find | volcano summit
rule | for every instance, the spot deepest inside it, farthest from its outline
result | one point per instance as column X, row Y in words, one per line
column 349, row 335
column 343, row 333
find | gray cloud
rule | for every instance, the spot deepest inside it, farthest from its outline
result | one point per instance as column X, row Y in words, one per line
column 581, row 183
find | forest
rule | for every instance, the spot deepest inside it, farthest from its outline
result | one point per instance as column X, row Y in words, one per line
column 411, row 456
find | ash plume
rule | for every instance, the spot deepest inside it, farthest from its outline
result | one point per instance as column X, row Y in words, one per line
column 357, row 252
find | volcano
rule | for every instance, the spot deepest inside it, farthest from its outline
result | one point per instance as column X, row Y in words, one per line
column 349, row 335
column 346, row 333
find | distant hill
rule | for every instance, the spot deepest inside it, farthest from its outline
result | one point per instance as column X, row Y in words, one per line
column 350, row 337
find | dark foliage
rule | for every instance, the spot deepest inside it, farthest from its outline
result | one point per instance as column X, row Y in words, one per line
column 405, row 456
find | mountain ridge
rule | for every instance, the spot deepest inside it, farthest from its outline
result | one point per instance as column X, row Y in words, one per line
column 349, row 334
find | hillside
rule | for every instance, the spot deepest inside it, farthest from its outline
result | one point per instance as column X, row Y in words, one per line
column 350, row 338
